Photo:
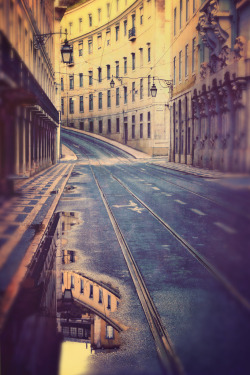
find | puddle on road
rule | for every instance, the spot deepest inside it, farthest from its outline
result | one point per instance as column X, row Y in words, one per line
column 62, row 316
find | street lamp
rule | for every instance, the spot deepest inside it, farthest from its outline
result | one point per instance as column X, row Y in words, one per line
column 66, row 50
column 167, row 82
column 112, row 83
column 153, row 90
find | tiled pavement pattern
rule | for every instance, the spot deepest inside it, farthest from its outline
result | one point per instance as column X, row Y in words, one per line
column 22, row 215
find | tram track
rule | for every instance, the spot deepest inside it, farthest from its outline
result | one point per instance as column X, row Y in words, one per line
column 168, row 358
column 157, row 168
column 195, row 253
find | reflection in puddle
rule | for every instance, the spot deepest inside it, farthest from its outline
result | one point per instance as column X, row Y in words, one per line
column 60, row 316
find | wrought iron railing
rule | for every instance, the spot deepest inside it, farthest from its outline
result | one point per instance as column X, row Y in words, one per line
column 132, row 33
column 15, row 69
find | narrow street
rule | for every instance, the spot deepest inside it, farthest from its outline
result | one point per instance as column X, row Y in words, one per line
column 175, row 246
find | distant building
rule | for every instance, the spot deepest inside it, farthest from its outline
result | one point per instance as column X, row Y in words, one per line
column 210, row 120
column 122, row 42
column 28, row 117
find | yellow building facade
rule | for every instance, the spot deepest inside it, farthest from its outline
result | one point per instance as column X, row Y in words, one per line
column 121, row 41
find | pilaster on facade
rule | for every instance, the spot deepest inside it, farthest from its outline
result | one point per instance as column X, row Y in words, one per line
column 28, row 117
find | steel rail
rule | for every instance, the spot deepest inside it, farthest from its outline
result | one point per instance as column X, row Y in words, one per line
column 213, row 270
column 164, row 347
column 169, row 360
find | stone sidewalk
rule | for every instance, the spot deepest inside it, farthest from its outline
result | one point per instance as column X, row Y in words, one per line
column 23, row 220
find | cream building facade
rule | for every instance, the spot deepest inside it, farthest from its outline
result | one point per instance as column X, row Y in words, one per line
column 210, row 123
column 28, row 117
column 123, row 41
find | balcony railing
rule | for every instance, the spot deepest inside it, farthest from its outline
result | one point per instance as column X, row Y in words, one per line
column 132, row 34
column 15, row 69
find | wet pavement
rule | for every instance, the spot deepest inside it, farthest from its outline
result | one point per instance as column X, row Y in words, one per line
column 141, row 270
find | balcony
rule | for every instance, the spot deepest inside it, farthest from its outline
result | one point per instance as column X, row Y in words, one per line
column 132, row 34
column 12, row 66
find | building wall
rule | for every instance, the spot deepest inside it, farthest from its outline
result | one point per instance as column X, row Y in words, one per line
column 28, row 118
column 140, row 121
column 218, row 90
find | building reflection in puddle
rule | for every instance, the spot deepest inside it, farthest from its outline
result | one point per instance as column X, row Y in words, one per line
column 84, row 312
column 58, row 312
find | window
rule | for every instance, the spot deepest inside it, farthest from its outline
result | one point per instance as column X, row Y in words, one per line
column 133, row 91
column 62, row 106
column 99, row 74
column 62, row 278
column 149, row 125
column 72, row 286
column 80, row 48
column 141, row 88
column 100, row 100
column 90, row 291
column 100, row 130
column 174, row 63
column 70, row 28
column 187, row 10
column 109, row 302
column 71, row 82
column 194, row 6
column 108, row 71
column 180, row 14
column 71, row 105
column 149, row 85
column 109, row 125
column 202, row 53
column 109, row 332
column 117, row 125
column 125, row 24
column 117, row 33
column 133, row 126
column 90, row 20
column 117, row 96
column 175, row 15
column 99, row 41
column 141, row 56
column 82, row 281
column 108, row 37
column 141, row 125
column 125, row 65
column 149, row 53
column 133, row 21
column 90, row 77
column 108, row 98
column 80, row 79
column 125, row 92
column 81, row 128
column 81, row 109
column 193, row 54
column 100, row 296
column 62, row 85
column 108, row 10
column 117, row 5
column 133, row 60
column 186, row 60
column 99, row 15
column 90, row 45
column 117, row 69
column 141, row 16
column 91, row 102
column 180, row 65
column 91, row 126
column 80, row 24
